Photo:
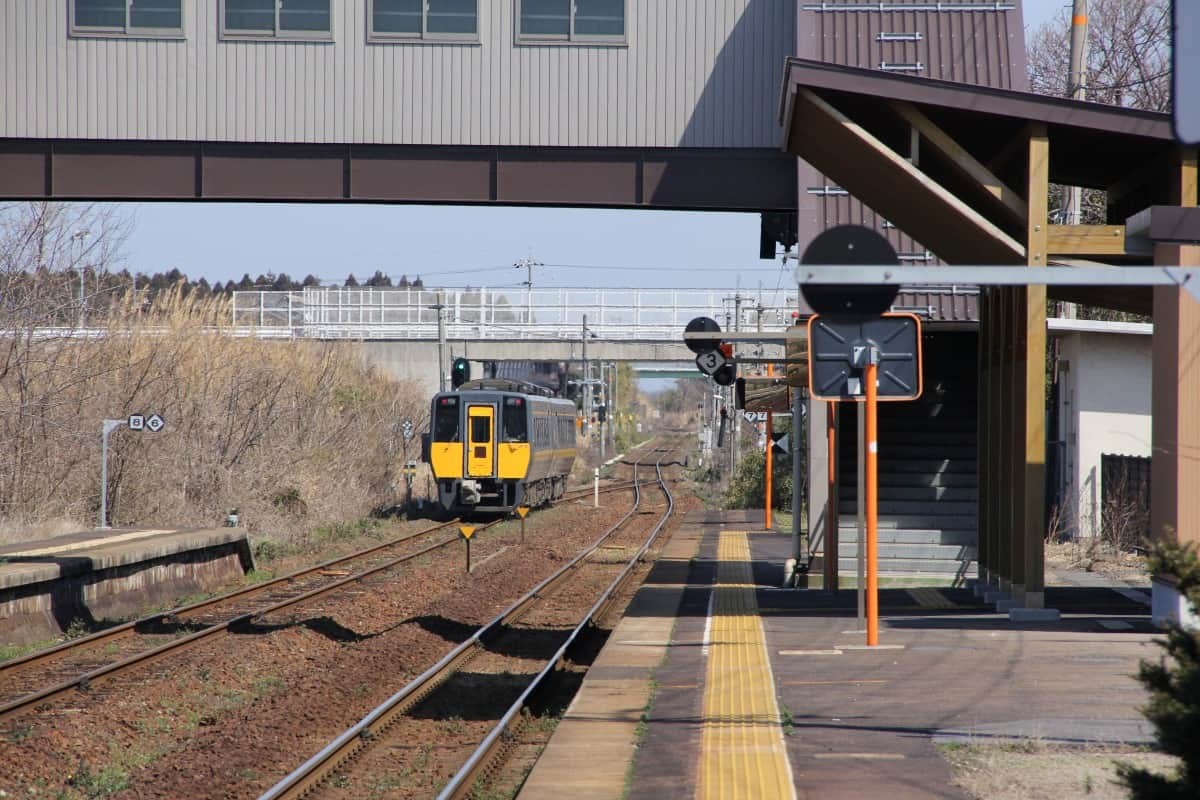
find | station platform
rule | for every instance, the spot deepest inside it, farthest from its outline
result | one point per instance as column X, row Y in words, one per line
column 717, row 683
column 107, row 575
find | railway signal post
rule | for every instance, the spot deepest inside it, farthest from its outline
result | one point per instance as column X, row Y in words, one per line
column 522, row 512
column 467, row 531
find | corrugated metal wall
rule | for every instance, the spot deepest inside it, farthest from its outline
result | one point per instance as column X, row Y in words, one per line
column 985, row 47
column 695, row 73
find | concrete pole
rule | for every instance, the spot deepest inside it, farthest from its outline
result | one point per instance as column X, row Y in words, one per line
column 1076, row 90
column 587, row 387
column 441, row 325
column 737, row 418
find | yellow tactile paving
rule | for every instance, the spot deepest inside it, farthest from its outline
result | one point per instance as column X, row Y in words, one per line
column 742, row 752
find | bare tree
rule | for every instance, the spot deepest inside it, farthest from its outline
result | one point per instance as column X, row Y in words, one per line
column 1129, row 54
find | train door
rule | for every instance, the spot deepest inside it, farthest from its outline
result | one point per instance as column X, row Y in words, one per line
column 480, row 424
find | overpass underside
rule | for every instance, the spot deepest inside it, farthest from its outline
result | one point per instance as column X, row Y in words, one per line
column 966, row 171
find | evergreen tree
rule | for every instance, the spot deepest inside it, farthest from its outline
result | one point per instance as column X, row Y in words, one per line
column 351, row 281
column 379, row 280
column 418, row 283
column 1174, row 707
column 245, row 284
column 311, row 280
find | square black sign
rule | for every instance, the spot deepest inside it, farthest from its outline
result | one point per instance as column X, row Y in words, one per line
column 839, row 348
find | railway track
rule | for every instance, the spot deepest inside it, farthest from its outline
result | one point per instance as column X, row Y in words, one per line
column 510, row 659
column 76, row 665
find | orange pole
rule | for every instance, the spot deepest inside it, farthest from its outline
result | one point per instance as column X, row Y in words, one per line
column 871, row 447
column 770, row 466
column 770, row 460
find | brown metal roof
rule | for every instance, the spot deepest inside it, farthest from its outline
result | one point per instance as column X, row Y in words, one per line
column 984, row 46
column 1090, row 144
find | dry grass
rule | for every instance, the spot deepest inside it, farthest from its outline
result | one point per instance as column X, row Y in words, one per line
column 1034, row 771
column 292, row 434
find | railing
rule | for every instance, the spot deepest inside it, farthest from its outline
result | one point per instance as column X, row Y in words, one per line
column 540, row 314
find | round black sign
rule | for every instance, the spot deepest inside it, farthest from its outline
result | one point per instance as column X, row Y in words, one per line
column 702, row 325
column 849, row 244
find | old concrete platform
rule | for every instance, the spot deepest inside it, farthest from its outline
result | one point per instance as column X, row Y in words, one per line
column 674, row 704
column 104, row 576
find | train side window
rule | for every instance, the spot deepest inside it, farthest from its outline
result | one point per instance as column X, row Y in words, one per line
column 516, row 428
column 445, row 420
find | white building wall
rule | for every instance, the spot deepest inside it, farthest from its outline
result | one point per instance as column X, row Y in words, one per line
column 1104, row 408
column 686, row 65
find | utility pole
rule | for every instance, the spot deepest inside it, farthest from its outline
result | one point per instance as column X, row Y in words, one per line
column 528, row 264
column 79, row 236
column 441, row 323
column 737, row 418
column 587, row 385
column 1076, row 90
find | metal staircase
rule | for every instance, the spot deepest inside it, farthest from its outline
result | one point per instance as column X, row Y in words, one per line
column 927, row 480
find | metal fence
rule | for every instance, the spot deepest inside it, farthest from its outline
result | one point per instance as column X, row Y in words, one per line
column 538, row 314
column 1125, row 498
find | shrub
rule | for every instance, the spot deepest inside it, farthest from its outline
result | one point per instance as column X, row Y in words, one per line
column 1174, row 686
column 748, row 486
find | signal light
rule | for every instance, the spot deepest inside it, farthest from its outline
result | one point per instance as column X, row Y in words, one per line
column 460, row 372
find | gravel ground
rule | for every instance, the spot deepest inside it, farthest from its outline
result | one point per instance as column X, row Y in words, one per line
column 231, row 717
column 1030, row 771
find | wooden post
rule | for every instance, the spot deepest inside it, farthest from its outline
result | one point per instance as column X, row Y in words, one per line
column 1029, row 561
column 1175, row 470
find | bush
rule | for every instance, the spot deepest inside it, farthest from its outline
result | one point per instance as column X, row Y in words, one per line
column 747, row 488
column 293, row 434
column 1174, row 687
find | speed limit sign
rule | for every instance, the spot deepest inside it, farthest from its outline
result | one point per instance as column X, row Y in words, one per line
column 712, row 361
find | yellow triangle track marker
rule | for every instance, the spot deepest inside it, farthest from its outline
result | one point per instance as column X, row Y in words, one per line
column 467, row 531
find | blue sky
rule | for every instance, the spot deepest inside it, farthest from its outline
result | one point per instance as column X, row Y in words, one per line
column 458, row 246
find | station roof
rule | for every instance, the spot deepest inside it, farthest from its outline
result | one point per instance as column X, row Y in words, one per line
column 1091, row 144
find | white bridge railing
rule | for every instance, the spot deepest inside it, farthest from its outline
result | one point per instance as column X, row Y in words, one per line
column 540, row 314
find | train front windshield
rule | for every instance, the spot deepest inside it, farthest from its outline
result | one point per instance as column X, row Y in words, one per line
column 445, row 420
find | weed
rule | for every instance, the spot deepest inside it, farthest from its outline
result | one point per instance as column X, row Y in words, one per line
column 204, row 674
column 258, row 576
column 265, row 685
column 247, row 774
column 111, row 649
column 97, row 785
column 454, row 725
column 11, row 651
column 785, row 717
column 19, row 734
column 271, row 550
column 340, row 781
column 77, row 629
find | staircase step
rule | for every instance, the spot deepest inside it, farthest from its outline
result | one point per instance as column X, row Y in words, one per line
column 924, row 522
column 888, row 450
column 900, row 550
column 936, row 436
column 917, row 480
column 960, row 538
column 914, row 567
column 931, row 508
column 928, row 494
column 930, row 466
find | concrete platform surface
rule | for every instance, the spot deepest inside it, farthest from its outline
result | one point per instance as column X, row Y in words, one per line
column 856, row 722
column 103, row 576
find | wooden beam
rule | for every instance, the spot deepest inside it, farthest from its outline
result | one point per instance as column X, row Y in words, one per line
column 878, row 176
column 1086, row 240
column 1031, row 428
column 966, row 164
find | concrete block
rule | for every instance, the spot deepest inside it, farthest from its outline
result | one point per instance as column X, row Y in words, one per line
column 1034, row 615
column 1169, row 605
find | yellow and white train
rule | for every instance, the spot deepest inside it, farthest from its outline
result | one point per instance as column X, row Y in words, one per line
column 493, row 447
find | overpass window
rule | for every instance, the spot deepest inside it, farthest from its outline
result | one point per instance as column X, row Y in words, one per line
column 423, row 19
column 127, row 17
column 584, row 21
column 277, row 19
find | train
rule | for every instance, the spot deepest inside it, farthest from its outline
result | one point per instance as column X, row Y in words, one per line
column 494, row 445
